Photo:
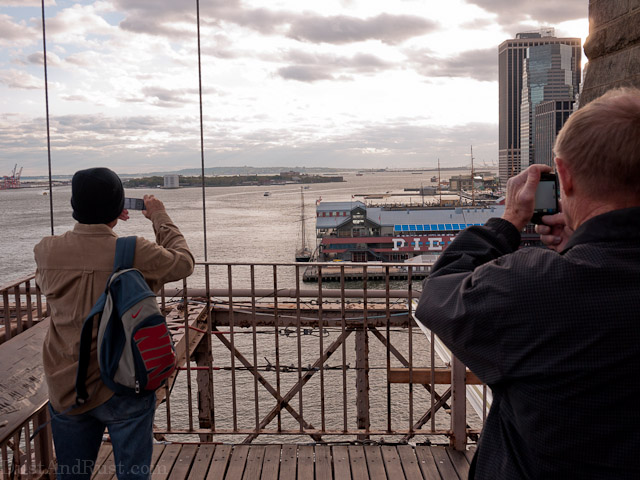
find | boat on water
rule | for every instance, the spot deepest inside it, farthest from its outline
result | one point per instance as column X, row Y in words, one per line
column 303, row 253
column 267, row 194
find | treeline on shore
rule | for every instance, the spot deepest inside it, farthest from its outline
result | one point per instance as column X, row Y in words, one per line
column 229, row 181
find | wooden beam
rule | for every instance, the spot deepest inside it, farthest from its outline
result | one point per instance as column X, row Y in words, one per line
column 423, row 376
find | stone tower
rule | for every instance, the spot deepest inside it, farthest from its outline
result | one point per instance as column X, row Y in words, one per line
column 613, row 47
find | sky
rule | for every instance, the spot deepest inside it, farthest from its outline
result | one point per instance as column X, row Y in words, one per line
column 330, row 83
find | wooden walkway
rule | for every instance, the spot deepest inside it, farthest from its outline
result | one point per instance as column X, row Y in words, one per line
column 177, row 461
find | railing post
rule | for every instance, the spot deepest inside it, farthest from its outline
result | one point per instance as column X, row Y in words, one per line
column 204, row 358
column 7, row 315
column 43, row 443
column 458, row 438
column 362, row 381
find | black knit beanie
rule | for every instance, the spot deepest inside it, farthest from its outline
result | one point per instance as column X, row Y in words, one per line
column 97, row 195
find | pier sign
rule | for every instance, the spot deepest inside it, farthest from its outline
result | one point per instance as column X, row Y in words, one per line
column 421, row 244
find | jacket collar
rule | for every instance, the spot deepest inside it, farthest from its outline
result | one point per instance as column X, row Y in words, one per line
column 93, row 229
column 617, row 225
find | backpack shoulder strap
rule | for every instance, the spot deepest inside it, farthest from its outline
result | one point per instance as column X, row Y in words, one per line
column 125, row 251
column 85, row 350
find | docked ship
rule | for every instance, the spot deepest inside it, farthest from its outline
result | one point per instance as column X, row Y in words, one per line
column 355, row 232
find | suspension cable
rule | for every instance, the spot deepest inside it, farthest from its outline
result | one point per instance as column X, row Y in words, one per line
column 46, row 95
column 204, row 203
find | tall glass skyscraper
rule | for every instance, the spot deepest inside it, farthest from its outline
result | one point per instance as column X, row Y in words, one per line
column 548, row 73
column 511, row 64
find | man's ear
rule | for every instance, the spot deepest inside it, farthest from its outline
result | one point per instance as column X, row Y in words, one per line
column 565, row 177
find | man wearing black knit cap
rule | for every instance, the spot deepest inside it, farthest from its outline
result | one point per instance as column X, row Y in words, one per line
column 72, row 271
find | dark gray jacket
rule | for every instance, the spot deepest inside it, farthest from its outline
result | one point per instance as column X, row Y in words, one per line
column 556, row 337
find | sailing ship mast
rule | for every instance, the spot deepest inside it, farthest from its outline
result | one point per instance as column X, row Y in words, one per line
column 304, row 233
column 439, row 184
column 473, row 189
column 303, row 254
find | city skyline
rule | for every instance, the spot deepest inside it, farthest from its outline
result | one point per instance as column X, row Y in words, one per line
column 345, row 83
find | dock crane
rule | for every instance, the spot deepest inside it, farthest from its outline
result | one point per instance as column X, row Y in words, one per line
column 12, row 181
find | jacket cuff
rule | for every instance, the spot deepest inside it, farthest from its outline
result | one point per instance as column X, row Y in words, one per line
column 505, row 229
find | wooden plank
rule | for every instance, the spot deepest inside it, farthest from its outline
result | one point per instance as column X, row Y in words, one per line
column 255, row 459
column 423, row 376
column 23, row 390
column 427, row 463
column 221, row 457
column 305, row 462
column 392, row 462
column 443, row 462
column 105, row 451
column 237, row 462
column 323, row 462
column 271, row 463
column 358, row 463
column 201, row 463
column 158, row 448
column 288, row 463
column 469, row 453
column 162, row 470
column 460, row 462
column 107, row 470
column 409, row 462
column 375, row 462
column 183, row 463
column 341, row 468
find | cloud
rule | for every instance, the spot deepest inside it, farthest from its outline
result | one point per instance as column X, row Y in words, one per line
column 19, row 79
column 390, row 29
column 478, row 64
column 305, row 73
column 546, row 12
column 14, row 34
column 260, row 19
column 77, row 23
column 37, row 58
column 27, row 3
column 78, row 140
column 166, row 97
column 311, row 67
column 161, row 143
column 168, row 17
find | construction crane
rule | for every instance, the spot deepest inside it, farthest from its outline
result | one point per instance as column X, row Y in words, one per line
column 12, row 181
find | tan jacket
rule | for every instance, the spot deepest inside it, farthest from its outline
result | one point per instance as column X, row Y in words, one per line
column 72, row 272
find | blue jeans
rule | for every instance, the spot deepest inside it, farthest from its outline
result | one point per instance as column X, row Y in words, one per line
column 77, row 438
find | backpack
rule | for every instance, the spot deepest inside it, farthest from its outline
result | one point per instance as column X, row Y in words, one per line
column 135, row 349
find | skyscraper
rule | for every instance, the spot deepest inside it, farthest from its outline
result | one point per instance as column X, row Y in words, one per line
column 548, row 73
column 550, row 116
column 511, row 62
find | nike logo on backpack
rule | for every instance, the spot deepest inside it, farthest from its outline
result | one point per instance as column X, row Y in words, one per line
column 137, row 313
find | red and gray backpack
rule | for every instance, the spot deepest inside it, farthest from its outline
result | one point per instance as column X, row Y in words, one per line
column 135, row 349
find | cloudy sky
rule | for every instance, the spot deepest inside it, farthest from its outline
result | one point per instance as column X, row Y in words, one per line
column 334, row 83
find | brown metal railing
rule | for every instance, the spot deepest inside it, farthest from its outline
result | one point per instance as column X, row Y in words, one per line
column 279, row 357
column 21, row 307
column 23, row 457
column 273, row 357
